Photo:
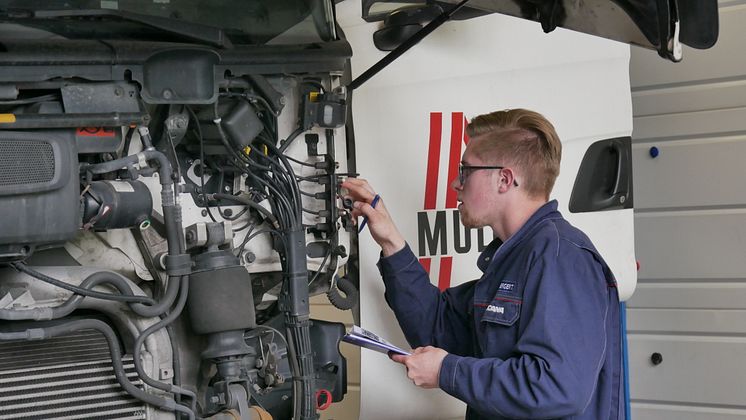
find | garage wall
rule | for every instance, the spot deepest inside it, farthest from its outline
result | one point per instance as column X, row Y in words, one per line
column 690, row 230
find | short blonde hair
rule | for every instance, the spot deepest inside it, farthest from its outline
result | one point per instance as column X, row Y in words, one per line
column 522, row 139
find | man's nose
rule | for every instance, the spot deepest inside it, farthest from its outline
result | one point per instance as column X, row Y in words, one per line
column 455, row 184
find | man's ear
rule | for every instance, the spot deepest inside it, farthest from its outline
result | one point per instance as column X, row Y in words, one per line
column 505, row 179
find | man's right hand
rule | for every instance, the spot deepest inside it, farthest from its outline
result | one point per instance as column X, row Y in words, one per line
column 380, row 224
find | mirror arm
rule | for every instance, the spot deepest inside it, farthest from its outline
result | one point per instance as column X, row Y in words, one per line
column 406, row 45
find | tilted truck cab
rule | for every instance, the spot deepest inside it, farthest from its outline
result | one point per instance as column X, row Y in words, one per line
column 169, row 185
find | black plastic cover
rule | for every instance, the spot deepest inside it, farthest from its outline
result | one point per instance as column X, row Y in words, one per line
column 39, row 188
column 330, row 365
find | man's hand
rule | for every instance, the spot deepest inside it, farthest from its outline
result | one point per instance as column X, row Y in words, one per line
column 423, row 366
column 381, row 226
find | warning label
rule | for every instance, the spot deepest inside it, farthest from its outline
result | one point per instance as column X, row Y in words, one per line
column 95, row 132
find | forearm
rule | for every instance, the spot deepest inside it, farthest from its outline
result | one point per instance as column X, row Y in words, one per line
column 392, row 244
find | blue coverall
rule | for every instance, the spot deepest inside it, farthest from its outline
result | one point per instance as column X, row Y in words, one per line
column 536, row 337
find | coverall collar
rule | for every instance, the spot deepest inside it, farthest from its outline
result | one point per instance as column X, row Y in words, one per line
column 497, row 246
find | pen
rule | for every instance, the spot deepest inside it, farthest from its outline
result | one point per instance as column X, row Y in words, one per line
column 365, row 218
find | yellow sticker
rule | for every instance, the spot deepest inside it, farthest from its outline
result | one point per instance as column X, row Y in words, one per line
column 7, row 118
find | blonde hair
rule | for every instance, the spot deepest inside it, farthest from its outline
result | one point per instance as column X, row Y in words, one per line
column 522, row 139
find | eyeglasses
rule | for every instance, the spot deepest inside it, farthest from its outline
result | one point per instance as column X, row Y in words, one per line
column 464, row 171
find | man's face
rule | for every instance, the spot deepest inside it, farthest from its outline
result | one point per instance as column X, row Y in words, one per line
column 477, row 192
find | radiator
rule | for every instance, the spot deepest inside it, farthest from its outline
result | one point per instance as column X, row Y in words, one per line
column 69, row 377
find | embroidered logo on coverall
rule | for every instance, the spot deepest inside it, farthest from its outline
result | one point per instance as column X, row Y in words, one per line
column 496, row 309
column 506, row 286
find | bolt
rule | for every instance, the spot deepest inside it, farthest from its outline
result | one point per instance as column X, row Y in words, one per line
column 215, row 399
column 228, row 212
column 118, row 91
column 166, row 373
column 249, row 257
column 227, row 188
column 622, row 199
column 204, row 213
column 167, row 94
column 189, row 236
column 656, row 358
column 180, row 123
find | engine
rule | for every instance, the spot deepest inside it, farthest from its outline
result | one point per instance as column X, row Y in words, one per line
column 168, row 211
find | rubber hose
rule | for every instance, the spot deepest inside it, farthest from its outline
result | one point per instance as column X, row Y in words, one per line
column 350, row 298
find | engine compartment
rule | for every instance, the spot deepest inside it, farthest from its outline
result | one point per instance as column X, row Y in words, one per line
column 181, row 204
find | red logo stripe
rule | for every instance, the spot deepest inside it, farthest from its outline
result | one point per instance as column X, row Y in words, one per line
column 444, row 277
column 433, row 160
column 425, row 262
column 466, row 136
column 457, row 136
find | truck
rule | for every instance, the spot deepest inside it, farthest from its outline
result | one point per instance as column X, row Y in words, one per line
column 170, row 184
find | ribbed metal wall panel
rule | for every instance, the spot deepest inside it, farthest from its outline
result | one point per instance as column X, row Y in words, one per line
column 690, row 209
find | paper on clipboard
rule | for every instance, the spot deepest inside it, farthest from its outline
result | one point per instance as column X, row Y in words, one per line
column 364, row 338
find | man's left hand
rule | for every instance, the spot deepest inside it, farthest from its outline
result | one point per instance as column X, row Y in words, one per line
column 423, row 365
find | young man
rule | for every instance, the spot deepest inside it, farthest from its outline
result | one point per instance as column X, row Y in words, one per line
column 537, row 336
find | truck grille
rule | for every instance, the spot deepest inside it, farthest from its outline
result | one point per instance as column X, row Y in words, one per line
column 69, row 377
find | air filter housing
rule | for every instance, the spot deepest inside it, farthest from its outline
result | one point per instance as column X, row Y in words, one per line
column 39, row 190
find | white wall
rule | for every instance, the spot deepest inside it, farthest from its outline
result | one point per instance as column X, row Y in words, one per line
column 690, row 230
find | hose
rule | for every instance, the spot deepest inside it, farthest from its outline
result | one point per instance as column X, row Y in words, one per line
column 66, row 308
column 84, row 291
column 162, row 306
column 266, row 213
column 184, row 291
column 349, row 300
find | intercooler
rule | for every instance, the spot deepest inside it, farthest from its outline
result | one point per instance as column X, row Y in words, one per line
column 69, row 377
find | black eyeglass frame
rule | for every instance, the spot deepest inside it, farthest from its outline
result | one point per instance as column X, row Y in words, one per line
column 462, row 174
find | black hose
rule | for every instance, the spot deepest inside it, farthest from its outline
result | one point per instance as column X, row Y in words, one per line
column 130, row 298
column 348, row 288
column 183, row 291
column 246, row 201
column 66, row 308
column 290, row 139
column 172, row 290
column 177, row 365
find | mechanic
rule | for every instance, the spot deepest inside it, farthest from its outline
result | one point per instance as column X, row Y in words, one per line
column 538, row 335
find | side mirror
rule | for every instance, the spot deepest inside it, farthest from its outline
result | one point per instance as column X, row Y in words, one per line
column 377, row 10
column 402, row 23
